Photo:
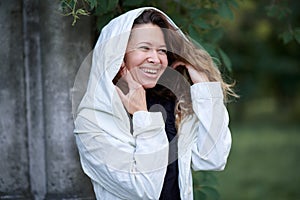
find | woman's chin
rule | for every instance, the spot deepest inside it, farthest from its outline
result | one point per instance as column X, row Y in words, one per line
column 149, row 85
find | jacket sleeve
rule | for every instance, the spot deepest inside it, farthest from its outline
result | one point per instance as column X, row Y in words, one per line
column 213, row 138
column 129, row 169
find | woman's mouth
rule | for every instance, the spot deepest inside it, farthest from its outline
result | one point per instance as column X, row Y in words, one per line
column 150, row 71
column 148, row 76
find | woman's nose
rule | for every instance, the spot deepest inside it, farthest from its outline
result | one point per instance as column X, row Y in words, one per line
column 153, row 57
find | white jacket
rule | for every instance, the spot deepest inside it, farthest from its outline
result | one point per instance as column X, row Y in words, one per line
column 125, row 165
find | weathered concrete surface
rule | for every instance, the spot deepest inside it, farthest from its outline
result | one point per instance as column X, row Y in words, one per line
column 13, row 140
column 34, row 98
column 63, row 49
column 39, row 57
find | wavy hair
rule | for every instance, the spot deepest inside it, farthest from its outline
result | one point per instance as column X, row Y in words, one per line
column 181, row 48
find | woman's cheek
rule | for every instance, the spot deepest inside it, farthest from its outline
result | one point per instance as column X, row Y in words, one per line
column 165, row 61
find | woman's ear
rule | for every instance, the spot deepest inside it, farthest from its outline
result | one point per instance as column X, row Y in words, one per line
column 120, row 73
column 123, row 68
column 123, row 63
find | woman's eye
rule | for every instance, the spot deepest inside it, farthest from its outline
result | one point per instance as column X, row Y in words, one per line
column 144, row 48
column 162, row 51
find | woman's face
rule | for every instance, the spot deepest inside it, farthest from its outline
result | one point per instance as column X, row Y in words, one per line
column 146, row 54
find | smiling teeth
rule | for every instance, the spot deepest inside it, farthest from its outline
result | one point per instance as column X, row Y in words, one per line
column 151, row 71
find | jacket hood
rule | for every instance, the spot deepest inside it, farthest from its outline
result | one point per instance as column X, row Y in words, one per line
column 107, row 58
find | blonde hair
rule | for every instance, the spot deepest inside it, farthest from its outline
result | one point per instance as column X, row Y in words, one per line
column 183, row 49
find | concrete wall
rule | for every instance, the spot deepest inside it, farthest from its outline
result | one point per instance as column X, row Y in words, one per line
column 14, row 164
column 39, row 56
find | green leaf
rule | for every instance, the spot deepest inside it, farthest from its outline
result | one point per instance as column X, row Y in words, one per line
column 234, row 3
column 279, row 12
column 131, row 3
column 105, row 6
column 297, row 35
column 225, row 11
column 93, row 3
column 67, row 5
column 81, row 11
column 103, row 20
column 112, row 4
column 193, row 33
column 286, row 36
column 215, row 35
column 196, row 13
column 271, row 10
column 225, row 59
column 202, row 24
column 210, row 48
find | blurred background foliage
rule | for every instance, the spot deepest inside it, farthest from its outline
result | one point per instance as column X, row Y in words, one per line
column 255, row 43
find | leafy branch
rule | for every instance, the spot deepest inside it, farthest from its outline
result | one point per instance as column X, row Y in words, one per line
column 280, row 11
column 70, row 8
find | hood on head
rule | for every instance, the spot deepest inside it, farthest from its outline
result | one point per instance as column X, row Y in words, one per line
column 107, row 59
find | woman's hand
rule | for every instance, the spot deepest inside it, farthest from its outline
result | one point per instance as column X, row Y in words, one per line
column 196, row 76
column 135, row 99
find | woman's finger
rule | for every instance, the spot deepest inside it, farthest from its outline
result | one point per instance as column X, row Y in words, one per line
column 132, row 84
column 196, row 75
column 134, row 100
column 177, row 63
column 121, row 95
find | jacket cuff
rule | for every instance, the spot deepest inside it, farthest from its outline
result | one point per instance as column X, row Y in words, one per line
column 206, row 90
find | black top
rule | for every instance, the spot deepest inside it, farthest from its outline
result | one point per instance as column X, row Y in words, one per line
column 158, row 103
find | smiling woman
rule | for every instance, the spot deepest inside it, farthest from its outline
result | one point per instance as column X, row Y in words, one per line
column 153, row 111
column 146, row 54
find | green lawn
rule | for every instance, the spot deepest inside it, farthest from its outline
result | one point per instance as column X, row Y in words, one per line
column 264, row 164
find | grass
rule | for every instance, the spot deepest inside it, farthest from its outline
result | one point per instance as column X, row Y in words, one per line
column 263, row 164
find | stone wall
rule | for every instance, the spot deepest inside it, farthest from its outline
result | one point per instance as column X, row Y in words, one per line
column 39, row 56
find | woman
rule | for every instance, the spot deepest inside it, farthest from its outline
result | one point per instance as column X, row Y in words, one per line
column 140, row 127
